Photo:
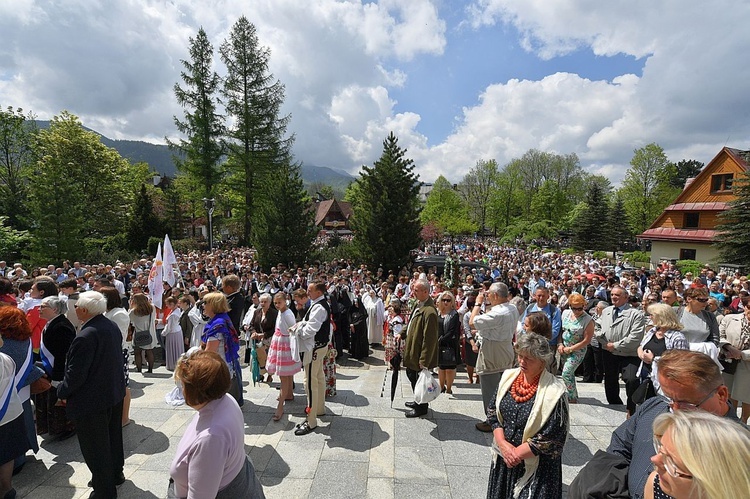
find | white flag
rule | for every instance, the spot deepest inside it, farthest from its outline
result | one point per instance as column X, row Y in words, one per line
column 170, row 262
column 156, row 280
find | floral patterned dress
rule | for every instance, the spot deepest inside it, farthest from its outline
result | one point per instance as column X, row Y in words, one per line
column 572, row 332
column 393, row 343
column 548, row 444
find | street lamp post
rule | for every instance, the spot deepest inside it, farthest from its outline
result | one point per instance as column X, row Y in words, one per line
column 210, row 204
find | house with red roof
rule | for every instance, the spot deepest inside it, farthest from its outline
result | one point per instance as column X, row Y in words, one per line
column 686, row 228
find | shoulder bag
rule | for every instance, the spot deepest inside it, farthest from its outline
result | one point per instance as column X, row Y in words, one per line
column 143, row 338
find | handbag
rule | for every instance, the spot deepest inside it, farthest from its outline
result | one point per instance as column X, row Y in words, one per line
column 41, row 385
column 641, row 394
column 447, row 355
column 143, row 338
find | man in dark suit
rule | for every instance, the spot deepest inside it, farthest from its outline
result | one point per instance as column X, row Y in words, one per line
column 94, row 387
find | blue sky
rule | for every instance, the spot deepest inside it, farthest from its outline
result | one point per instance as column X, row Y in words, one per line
column 456, row 81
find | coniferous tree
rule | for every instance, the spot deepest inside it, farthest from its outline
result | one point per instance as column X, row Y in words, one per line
column 619, row 230
column 287, row 228
column 143, row 223
column 386, row 209
column 256, row 141
column 733, row 235
column 202, row 124
column 591, row 229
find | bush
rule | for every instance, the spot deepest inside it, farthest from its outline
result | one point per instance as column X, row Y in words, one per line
column 153, row 245
column 108, row 250
column 345, row 250
column 637, row 257
column 685, row 266
column 188, row 244
column 569, row 251
column 599, row 255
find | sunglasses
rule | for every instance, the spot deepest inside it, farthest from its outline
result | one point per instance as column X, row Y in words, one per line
column 577, row 309
column 702, row 300
column 446, row 300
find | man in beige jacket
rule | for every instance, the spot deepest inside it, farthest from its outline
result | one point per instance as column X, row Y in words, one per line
column 495, row 330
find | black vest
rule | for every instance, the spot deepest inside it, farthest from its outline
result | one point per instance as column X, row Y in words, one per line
column 323, row 335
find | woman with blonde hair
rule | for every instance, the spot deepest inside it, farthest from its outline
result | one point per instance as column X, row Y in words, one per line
column 699, row 455
column 665, row 334
column 449, row 331
column 221, row 337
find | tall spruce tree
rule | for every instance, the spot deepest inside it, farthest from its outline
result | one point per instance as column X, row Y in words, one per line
column 143, row 223
column 256, row 141
column 386, row 209
column 591, row 229
column 202, row 125
column 619, row 230
column 286, row 226
column 733, row 234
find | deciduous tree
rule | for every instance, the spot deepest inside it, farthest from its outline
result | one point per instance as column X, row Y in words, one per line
column 446, row 209
column 477, row 187
column 16, row 156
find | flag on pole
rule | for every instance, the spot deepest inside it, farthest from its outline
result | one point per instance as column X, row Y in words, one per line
column 156, row 280
column 170, row 262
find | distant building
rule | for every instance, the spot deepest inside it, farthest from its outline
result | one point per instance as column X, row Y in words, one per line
column 686, row 228
column 331, row 214
column 424, row 191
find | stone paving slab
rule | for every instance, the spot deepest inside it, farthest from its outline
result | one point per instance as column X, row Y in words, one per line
column 363, row 447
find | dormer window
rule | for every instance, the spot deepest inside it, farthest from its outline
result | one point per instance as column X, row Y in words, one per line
column 721, row 182
column 691, row 220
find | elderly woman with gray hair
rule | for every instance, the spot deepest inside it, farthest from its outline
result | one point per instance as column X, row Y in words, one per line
column 57, row 336
column 529, row 419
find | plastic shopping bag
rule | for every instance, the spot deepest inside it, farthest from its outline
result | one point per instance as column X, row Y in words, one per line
column 427, row 388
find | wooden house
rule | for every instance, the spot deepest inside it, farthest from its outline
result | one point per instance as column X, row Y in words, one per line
column 686, row 228
column 331, row 215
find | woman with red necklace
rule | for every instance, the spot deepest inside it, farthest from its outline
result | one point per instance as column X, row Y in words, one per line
column 529, row 419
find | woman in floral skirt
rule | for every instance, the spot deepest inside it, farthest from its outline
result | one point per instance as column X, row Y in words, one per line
column 577, row 331
column 279, row 359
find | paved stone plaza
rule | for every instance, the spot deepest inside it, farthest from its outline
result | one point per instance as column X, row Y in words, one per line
column 363, row 448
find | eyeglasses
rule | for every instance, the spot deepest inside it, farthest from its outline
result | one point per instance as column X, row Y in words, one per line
column 687, row 406
column 669, row 463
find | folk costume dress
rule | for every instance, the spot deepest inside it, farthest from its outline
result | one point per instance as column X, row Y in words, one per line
column 280, row 361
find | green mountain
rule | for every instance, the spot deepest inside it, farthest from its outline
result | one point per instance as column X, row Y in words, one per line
column 159, row 158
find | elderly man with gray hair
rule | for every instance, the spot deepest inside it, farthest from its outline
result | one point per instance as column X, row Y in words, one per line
column 495, row 330
column 94, row 387
column 57, row 336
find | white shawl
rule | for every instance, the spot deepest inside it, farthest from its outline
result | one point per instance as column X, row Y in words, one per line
column 549, row 392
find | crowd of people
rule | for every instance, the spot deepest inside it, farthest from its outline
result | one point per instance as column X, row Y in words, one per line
column 524, row 324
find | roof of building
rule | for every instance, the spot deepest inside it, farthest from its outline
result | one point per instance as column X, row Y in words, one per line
column 715, row 206
column 324, row 207
column 671, row 234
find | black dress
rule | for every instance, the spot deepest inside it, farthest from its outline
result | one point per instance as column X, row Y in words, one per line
column 448, row 341
column 547, row 444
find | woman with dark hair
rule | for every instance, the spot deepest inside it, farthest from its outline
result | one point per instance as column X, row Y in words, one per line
column 7, row 296
column 220, row 336
column 210, row 460
column 16, row 334
column 470, row 356
column 143, row 318
column 529, row 420
column 539, row 323
column 57, row 336
column 394, row 325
